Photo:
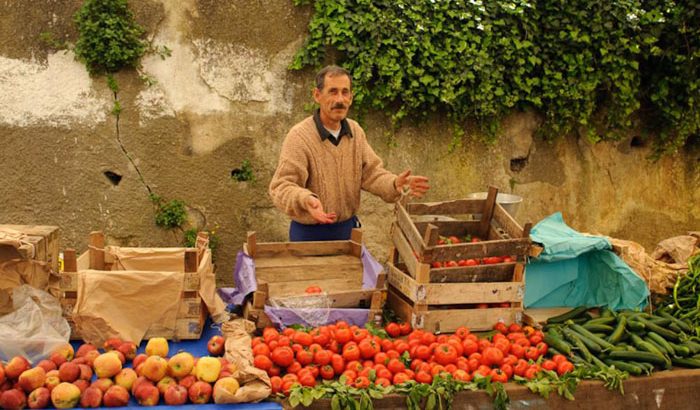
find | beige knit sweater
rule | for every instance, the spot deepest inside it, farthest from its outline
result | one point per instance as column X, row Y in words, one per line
column 336, row 174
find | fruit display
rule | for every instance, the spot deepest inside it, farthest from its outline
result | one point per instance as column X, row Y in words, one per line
column 114, row 375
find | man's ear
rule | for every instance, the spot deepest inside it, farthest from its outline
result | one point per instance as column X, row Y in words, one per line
column 317, row 94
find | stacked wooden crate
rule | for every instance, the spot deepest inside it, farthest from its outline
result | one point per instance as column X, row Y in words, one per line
column 192, row 312
column 44, row 239
column 433, row 296
column 288, row 269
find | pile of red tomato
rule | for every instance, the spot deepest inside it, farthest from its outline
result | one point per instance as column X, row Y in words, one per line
column 328, row 352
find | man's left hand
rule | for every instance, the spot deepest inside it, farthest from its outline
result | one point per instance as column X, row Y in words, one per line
column 416, row 185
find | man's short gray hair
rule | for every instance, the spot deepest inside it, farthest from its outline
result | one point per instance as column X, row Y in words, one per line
column 331, row 71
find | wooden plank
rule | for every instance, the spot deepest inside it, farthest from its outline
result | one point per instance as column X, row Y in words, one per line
column 96, row 249
column 454, row 207
column 405, row 251
column 414, row 237
column 400, row 306
column 312, row 262
column 190, row 260
column 502, row 247
column 352, row 299
column 381, row 280
column 406, row 284
column 311, row 248
column 378, row 298
column 296, row 288
column 448, row 320
column 70, row 260
column 430, row 238
column 507, row 222
column 461, row 293
column 500, row 272
column 251, row 249
column 450, row 228
column 318, row 273
column 540, row 315
column 487, row 213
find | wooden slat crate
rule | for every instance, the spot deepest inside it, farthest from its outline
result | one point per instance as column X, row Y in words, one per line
column 45, row 240
column 287, row 269
column 438, row 298
column 192, row 312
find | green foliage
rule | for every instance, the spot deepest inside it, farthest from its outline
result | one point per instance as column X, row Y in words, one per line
column 171, row 214
column 109, row 38
column 587, row 65
column 244, row 173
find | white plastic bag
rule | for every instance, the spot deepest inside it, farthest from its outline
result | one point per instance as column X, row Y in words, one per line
column 34, row 327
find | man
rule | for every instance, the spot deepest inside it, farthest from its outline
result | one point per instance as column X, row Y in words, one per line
column 325, row 163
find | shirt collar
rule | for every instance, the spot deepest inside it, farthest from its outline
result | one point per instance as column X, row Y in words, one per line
column 323, row 132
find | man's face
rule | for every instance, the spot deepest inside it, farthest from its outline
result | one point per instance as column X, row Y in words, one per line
column 335, row 98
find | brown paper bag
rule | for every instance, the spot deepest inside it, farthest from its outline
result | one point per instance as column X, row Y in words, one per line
column 255, row 383
column 125, row 303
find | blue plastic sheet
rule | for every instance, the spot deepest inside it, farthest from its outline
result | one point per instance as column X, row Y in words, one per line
column 576, row 270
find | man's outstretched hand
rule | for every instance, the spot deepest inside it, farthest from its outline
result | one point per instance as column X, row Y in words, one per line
column 416, row 185
column 315, row 209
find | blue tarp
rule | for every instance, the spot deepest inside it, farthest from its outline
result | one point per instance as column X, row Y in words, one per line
column 576, row 270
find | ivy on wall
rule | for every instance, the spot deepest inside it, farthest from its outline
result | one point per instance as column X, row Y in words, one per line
column 589, row 65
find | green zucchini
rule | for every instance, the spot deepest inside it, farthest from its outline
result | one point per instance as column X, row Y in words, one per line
column 640, row 357
column 659, row 340
column 619, row 331
column 680, row 323
column 680, row 350
column 598, row 328
column 600, row 341
column 667, row 334
column 629, row 367
column 578, row 344
column 554, row 339
column 573, row 313
column 609, row 320
column 686, row 362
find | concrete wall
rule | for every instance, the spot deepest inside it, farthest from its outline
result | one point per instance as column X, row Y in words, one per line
column 225, row 96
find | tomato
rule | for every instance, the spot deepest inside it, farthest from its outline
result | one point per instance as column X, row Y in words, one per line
column 393, row 329
column 514, row 327
column 322, row 357
column 450, row 368
column 500, row 327
column 542, row 348
column 531, row 373
column 284, row 341
column 400, row 346
column 359, row 335
column 436, row 265
column 386, row 344
column 427, row 338
column 483, row 370
column 333, row 346
column 437, row 369
column 352, row 352
column 549, row 365
column 462, row 332
column 343, row 335
column 305, row 357
column 350, row 376
column 462, row 262
column 313, row 289
column 262, row 349
column 396, row 366
column 558, row 358
column 368, row 348
column 473, row 364
column 361, row 382
column 256, row 341
column 462, row 363
column 517, row 350
column 510, row 359
column 445, row 354
column 497, row 375
column 564, row 367
column 520, row 367
column 535, row 338
column 523, row 341
column 400, row 378
column 483, row 344
column 451, row 264
column 320, row 338
column 290, row 377
column 269, row 334
column 307, row 380
column 282, row 356
column 355, row 366
column 274, row 371
column 327, row 372
column 424, row 377
column 338, row 363
column 462, row 375
column 405, row 328
column 469, row 346
column 508, row 259
column 512, row 336
column 457, row 344
column 441, row 338
column 503, row 345
column 531, row 353
column 287, row 386
column 492, row 356
column 382, row 381
column 262, row 362
column 422, row 352
column 475, row 239
column 384, row 373
column 276, row 383
column 294, row 367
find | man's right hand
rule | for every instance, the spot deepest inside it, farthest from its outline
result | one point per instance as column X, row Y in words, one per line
column 315, row 209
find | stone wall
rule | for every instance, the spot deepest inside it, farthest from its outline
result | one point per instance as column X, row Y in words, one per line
column 225, row 96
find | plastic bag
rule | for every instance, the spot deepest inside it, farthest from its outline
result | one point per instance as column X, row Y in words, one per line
column 312, row 308
column 35, row 326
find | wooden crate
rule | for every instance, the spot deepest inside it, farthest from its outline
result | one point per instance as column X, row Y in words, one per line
column 287, row 269
column 439, row 298
column 192, row 312
column 45, row 240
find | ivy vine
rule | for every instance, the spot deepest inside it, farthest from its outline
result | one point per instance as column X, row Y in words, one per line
column 591, row 66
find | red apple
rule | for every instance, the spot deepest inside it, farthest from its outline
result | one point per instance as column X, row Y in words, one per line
column 115, row 396
column 82, row 384
column 83, row 349
column 32, row 379
column 139, row 380
column 69, row 372
column 92, row 397
column 13, row 399
column 147, row 394
column 175, row 395
column 47, row 365
column 65, row 350
column 39, row 398
column 126, row 378
column 90, row 357
column 187, row 381
column 57, row 358
column 103, row 384
column 216, row 345
column 65, row 395
column 140, row 358
column 112, row 343
column 199, row 392
column 128, row 349
column 16, row 366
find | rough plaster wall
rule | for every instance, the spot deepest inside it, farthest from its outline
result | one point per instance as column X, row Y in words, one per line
column 224, row 96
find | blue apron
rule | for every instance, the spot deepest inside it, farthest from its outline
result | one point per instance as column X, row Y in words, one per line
column 338, row 231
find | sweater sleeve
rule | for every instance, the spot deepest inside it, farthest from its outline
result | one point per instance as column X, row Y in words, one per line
column 375, row 178
column 288, row 185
